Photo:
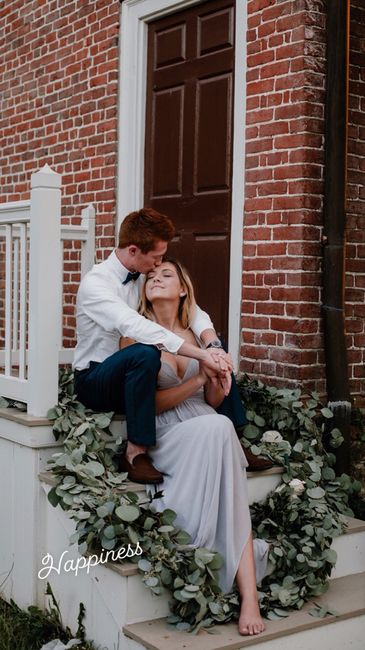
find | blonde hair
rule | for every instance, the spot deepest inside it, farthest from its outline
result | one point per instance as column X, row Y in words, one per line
column 187, row 304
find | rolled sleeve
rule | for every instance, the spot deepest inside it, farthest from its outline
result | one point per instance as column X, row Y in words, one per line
column 201, row 322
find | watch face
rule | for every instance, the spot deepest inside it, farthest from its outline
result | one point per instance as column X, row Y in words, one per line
column 215, row 344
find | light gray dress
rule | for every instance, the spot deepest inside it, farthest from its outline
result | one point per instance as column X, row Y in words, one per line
column 205, row 482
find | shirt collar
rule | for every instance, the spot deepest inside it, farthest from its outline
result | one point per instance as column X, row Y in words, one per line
column 117, row 266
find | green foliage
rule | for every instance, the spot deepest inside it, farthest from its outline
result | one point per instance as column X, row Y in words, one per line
column 108, row 517
column 308, row 509
column 299, row 518
column 30, row 629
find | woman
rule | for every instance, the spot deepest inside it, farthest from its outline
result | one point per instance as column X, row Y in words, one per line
column 198, row 451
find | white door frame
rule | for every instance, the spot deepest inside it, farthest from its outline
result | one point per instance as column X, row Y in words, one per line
column 135, row 16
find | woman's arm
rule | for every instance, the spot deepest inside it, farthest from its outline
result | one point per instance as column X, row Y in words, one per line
column 168, row 398
column 214, row 392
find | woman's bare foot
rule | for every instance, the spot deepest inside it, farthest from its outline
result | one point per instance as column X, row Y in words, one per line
column 250, row 621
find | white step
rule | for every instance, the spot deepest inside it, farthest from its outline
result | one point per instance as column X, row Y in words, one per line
column 299, row 630
column 351, row 560
column 349, row 546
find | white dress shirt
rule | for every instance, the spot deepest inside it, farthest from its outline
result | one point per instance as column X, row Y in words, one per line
column 106, row 310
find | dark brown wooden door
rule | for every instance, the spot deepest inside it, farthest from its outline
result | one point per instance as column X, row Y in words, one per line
column 188, row 148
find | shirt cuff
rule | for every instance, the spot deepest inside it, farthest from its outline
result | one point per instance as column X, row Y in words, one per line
column 172, row 343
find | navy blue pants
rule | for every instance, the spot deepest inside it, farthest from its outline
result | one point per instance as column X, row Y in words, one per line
column 125, row 382
column 232, row 406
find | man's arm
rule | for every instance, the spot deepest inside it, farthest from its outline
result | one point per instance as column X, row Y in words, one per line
column 101, row 304
column 203, row 327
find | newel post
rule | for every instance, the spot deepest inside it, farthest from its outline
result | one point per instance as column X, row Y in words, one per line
column 45, row 290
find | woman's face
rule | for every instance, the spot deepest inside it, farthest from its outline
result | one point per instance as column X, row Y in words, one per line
column 163, row 282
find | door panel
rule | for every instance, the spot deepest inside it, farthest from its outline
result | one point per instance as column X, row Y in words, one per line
column 188, row 152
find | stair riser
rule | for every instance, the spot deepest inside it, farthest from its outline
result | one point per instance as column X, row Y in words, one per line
column 350, row 549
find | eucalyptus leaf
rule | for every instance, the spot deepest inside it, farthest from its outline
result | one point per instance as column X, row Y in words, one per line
column 144, row 565
column 94, row 468
column 251, row 431
column 152, row 581
column 127, row 513
column 316, row 493
column 109, row 532
column 327, row 413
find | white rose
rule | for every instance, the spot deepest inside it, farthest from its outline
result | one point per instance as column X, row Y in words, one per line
column 272, row 436
column 297, row 486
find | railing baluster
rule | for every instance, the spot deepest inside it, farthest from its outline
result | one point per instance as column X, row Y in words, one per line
column 15, row 296
column 8, row 289
column 22, row 299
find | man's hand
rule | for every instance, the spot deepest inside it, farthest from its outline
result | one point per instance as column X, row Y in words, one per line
column 222, row 359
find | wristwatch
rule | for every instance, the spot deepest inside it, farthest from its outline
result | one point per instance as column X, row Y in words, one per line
column 216, row 343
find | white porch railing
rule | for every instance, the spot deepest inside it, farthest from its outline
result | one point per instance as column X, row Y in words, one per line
column 31, row 245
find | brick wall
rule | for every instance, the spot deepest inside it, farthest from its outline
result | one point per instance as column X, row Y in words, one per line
column 355, row 265
column 281, row 323
column 59, row 84
column 281, row 319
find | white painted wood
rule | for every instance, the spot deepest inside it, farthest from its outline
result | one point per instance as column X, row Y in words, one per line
column 15, row 227
column 34, row 437
column 7, row 513
column 153, row 606
column 238, row 184
column 259, row 485
column 8, row 289
column 22, row 299
column 13, row 387
column 136, row 14
column 45, row 288
column 15, row 294
column 19, row 513
column 15, row 212
column 350, row 549
column 88, row 248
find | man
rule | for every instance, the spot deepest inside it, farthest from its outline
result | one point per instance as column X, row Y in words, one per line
column 124, row 381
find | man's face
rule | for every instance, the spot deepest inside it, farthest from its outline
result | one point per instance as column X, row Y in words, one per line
column 146, row 262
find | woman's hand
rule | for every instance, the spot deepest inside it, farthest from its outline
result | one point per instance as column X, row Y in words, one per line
column 226, row 382
column 202, row 374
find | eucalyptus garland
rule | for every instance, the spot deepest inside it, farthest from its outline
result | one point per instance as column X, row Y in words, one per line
column 300, row 518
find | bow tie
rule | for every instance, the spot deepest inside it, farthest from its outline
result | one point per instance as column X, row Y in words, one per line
column 131, row 276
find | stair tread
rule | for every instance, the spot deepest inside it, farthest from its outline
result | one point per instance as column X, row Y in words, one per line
column 345, row 595
column 22, row 417
column 48, row 477
column 126, row 569
column 130, row 569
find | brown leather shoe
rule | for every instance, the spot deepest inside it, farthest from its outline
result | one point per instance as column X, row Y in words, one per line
column 140, row 470
column 256, row 463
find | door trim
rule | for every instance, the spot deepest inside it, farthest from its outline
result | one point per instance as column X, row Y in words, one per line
column 135, row 16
